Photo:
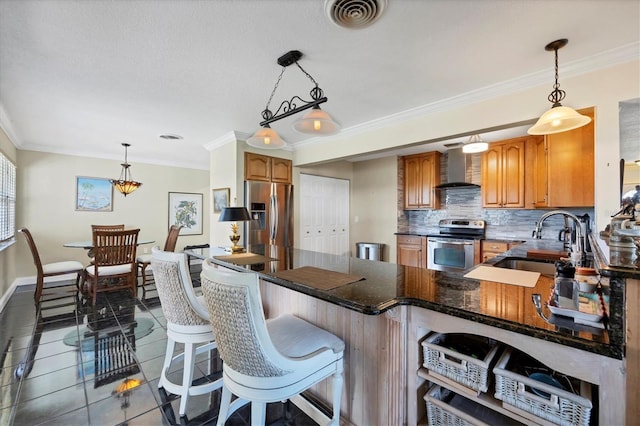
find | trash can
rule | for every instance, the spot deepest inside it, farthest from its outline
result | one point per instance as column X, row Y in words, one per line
column 370, row 251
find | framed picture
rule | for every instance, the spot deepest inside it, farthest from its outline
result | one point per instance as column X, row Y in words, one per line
column 220, row 199
column 185, row 209
column 93, row 194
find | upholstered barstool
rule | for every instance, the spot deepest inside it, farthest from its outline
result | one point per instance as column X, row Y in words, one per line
column 265, row 360
column 144, row 260
column 187, row 323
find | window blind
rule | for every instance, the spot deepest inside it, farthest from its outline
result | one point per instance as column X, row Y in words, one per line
column 7, row 198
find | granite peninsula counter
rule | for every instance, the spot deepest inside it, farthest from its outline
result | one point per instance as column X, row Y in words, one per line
column 383, row 317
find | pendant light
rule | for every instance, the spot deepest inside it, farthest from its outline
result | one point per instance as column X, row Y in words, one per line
column 125, row 185
column 474, row 145
column 266, row 138
column 316, row 121
column 559, row 118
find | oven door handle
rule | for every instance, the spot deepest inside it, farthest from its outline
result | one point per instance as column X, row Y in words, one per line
column 457, row 243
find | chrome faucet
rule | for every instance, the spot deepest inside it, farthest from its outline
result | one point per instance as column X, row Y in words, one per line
column 580, row 240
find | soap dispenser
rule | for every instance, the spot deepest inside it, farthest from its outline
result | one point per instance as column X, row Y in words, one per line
column 566, row 287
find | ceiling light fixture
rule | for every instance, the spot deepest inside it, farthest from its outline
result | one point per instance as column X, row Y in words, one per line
column 125, row 185
column 475, row 144
column 315, row 121
column 559, row 118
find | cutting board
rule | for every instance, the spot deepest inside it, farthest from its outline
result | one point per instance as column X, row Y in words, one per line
column 504, row 276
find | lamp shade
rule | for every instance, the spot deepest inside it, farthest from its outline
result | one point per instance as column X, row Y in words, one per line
column 475, row 144
column 234, row 214
column 558, row 119
column 316, row 121
column 266, row 138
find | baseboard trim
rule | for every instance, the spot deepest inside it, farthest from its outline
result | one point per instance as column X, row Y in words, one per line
column 22, row 281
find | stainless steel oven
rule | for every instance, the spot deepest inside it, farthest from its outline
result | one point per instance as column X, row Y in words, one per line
column 457, row 246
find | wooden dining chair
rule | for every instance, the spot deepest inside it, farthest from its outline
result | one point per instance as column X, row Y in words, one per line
column 107, row 227
column 114, row 265
column 144, row 260
column 50, row 269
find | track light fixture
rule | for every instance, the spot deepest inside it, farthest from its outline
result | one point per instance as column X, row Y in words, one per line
column 559, row 118
column 315, row 121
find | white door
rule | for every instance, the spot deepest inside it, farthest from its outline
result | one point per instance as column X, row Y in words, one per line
column 324, row 211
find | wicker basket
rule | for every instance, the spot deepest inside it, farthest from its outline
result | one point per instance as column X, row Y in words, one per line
column 440, row 413
column 560, row 407
column 465, row 369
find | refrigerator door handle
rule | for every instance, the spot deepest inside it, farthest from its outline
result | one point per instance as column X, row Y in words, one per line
column 274, row 215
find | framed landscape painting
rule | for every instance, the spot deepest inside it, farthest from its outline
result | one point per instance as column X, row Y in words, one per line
column 220, row 199
column 185, row 209
column 93, row 194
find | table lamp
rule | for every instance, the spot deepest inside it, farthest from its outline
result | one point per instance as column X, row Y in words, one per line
column 234, row 214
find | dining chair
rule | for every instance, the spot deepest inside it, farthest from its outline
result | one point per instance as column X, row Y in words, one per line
column 187, row 323
column 114, row 264
column 144, row 260
column 265, row 360
column 51, row 269
column 107, row 228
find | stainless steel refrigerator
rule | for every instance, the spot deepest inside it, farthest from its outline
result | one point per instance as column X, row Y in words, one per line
column 271, row 208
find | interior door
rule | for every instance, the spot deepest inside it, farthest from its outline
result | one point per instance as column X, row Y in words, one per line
column 324, row 211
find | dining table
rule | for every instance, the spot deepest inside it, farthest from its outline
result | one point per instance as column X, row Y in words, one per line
column 88, row 245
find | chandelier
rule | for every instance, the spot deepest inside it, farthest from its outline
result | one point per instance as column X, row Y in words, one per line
column 316, row 121
column 125, row 185
column 559, row 118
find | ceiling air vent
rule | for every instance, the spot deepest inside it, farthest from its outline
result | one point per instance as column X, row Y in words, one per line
column 354, row 14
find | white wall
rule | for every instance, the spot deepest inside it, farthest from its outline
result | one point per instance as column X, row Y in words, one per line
column 374, row 203
column 46, row 204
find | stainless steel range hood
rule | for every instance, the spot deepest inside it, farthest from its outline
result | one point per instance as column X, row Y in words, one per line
column 458, row 171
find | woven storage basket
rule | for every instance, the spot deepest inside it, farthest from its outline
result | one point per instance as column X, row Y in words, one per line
column 561, row 407
column 470, row 372
column 439, row 413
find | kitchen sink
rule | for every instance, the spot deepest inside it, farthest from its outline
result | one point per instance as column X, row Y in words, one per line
column 527, row 264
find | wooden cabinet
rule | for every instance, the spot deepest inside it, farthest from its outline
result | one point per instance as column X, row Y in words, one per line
column 412, row 250
column 267, row 169
column 503, row 174
column 563, row 174
column 421, row 175
column 492, row 248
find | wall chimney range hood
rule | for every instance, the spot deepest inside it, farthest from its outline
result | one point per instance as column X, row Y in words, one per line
column 458, row 171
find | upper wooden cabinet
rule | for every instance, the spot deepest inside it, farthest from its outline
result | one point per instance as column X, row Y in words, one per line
column 563, row 174
column 421, row 175
column 267, row 169
column 503, row 174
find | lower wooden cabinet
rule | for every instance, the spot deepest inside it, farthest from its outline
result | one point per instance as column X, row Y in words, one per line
column 412, row 250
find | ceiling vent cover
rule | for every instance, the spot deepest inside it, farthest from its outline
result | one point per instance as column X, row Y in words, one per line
column 354, row 14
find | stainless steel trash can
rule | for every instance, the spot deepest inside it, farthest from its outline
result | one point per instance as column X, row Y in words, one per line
column 371, row 251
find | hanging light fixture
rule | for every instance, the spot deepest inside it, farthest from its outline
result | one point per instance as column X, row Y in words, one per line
column 315, row 121
column 559, row 118
column 475, row 144
column 125, row 185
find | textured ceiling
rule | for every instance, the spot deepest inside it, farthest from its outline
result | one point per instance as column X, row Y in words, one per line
column 82, row 76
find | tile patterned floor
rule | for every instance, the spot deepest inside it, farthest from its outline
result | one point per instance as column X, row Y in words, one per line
column 50, row 373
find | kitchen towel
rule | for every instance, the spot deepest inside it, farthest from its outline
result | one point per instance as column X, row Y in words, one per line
column 504, row 275
column 317, row 278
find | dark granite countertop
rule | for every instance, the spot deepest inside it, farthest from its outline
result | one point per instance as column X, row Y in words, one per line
column 387, row 285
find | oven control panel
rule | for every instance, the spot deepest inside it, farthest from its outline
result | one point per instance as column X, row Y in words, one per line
column 462, row 223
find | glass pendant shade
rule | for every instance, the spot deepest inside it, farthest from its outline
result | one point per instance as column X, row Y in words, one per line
column 474, row 145
column 266, row 138
column 558, row 119
column 316, row 121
